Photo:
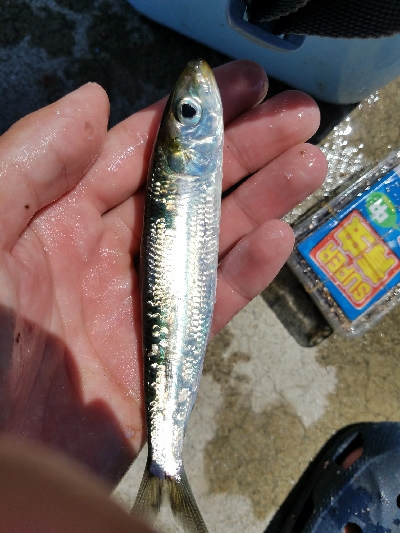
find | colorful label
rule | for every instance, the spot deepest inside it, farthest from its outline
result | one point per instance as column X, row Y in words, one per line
column 356, row 253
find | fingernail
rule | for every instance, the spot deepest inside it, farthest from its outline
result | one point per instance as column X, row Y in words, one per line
column 261, row 88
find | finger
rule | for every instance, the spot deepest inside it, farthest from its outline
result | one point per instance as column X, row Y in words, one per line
column 46, row 153
column 256, row 138
column 249, row 267
column 271, row 192
column 43, row 491
column 126, row 222
column 243, row 85
column 122, row 167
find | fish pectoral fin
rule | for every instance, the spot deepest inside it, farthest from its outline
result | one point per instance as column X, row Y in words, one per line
column 184, row 506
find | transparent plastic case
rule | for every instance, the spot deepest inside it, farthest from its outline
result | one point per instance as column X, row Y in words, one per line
column 347, row 252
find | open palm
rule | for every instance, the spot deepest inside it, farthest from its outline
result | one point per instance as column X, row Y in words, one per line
column 71, row 204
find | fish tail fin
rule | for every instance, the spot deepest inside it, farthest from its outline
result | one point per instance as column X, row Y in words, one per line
column 184, row 506
column 149, row 497
column 154, row 491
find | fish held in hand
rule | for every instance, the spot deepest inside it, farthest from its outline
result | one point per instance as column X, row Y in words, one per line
column 179, row 269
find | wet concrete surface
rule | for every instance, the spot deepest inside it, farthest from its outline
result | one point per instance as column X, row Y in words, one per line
column 276, row 382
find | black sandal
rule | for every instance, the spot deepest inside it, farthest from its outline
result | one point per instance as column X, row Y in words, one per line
column 333, row 497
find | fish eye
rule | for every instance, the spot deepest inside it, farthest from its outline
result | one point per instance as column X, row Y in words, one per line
column 188, row 112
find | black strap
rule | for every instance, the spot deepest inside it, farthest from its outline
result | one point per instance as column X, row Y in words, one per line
column 328, row 18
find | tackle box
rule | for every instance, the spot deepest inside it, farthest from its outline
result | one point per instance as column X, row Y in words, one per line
column 347, row 253
column 340, row 71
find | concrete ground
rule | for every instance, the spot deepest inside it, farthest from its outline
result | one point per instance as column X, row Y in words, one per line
column 272, row 392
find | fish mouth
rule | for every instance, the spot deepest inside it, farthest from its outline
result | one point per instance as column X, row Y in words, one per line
column 200, row 65
column 200, row 70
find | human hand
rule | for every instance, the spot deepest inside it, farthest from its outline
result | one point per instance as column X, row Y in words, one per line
column 71, row 203
column 44, row 492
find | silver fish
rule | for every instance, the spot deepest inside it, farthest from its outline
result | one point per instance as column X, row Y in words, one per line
column 179, row 267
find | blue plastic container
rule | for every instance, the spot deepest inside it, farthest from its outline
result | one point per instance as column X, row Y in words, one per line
column 340, row 71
